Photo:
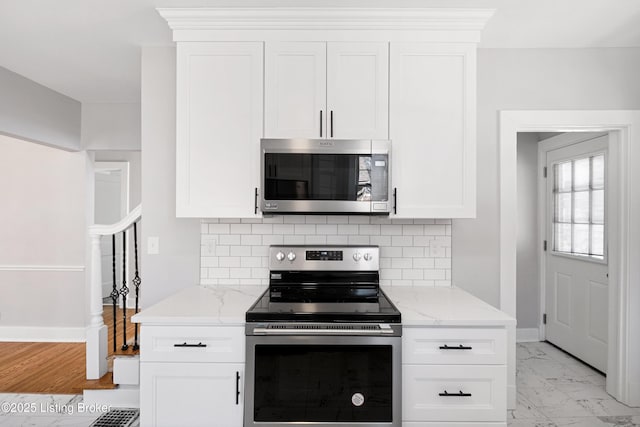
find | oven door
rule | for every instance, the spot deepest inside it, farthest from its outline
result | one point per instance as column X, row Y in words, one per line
column 323, row 381
column 325, row 176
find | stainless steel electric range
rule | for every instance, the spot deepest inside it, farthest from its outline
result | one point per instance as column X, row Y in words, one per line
column 323, row 342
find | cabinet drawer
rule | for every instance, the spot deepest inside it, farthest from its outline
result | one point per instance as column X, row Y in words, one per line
column 454, row 346
column 425, row 389
column 192, row 344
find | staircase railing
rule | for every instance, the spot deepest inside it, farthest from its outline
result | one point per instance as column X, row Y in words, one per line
column 96, row 334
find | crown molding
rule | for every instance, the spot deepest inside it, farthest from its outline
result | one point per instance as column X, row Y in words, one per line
column 325, row 18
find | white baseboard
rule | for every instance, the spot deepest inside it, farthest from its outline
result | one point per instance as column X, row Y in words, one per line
column 41, row 334
column 527, row 335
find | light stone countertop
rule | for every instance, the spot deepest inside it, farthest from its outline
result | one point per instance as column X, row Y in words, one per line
column 420, row 306
column 446, row 306
column 201, row 305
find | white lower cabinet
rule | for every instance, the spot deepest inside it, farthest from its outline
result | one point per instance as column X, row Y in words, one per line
column 191, row 394
column 454, row 377
column 454, row 393
column 191, row 376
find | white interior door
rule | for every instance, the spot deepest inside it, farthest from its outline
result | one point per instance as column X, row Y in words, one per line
column 576, row 279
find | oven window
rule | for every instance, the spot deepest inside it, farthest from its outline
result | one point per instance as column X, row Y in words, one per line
column 323, row 383
column 317, row 177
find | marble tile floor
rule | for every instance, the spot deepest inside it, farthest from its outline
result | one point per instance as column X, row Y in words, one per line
column 47, row 410
column 557, row 390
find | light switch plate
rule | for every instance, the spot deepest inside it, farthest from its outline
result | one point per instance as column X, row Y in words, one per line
column 153, row 245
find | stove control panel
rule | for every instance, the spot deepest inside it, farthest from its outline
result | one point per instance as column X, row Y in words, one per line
column 324, row 258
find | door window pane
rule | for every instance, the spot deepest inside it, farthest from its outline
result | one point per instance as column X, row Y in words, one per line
column 597, row 206
column 578, row 211
column 597, row 165
column 563, row 207
column 563, row 176
column 581, row 174
column 563, row 238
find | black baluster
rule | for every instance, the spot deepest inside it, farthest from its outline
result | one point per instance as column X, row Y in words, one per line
column 136, row 283
column 124, row 291
column 114, row 290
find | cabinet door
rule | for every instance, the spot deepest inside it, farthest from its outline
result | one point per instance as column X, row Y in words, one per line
column 219, row 125
column 295, row 90
column 191, row 394
column 358, row 90
column 432, row 126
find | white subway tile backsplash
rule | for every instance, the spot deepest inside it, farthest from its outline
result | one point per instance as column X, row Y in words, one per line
column 327, row 229
column 240, row 229
column 337, row 240
column 229, row 261
column 347, row 229
column 250, row 239
column 218, row 228
column 305, row 229
column 315, row 240
column 262, row 229
column 368, row 229
column 413, row 252
column 229, row 239
column 359, row 240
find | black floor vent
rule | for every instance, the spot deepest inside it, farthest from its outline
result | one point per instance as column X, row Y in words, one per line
column 118, row 418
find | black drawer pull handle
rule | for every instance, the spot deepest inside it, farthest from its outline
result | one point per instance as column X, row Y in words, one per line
column 459, row 394
column 237, row 388
column 184, row 344
column 460, row 347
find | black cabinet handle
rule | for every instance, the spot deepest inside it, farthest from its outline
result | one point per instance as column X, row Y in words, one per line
column 237, row 388
column 395, row 201
column 331, row 119
column 255, row 201
column 320, row 123
column 459, row 394
column 460, row 347
column 184, row 344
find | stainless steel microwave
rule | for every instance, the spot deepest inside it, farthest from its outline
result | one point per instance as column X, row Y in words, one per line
column 339, row 176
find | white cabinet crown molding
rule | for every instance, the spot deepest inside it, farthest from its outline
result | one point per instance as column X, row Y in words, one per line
column 326, row 18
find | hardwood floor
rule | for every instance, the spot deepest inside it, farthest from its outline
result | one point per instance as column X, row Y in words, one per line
column 57, row 368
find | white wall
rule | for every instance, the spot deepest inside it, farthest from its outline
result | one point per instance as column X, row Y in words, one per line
column 178, row 264
column 43, row 235
column 530, row 79
column 528, row 242
column 110, row 126
column 36, row 113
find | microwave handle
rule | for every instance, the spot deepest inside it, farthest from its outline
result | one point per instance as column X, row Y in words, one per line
column 320, row 123
column 331, row 119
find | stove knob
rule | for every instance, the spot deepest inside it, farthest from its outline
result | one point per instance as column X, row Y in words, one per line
column 291, row 256
column 368, row 256
column 280, row 256
column 357, row 256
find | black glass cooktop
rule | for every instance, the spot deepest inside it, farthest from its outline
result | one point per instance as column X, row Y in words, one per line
column 271, row 307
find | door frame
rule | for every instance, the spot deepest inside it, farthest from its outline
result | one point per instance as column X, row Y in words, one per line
column 623, row 376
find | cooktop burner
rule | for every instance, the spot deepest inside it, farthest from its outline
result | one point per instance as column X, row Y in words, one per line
column 324, row 284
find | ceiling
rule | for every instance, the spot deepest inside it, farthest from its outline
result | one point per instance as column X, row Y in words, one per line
column 90, row 49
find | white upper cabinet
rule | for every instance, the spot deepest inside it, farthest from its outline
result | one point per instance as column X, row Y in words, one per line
column 358, row 90
column 326, row 90
column 432, row 126
column 219, row 126
column 295, row 89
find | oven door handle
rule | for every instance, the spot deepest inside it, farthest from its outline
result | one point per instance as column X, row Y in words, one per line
column 305, row 332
